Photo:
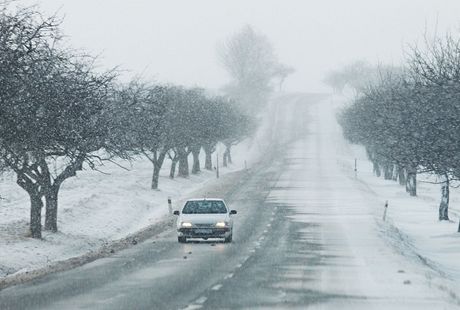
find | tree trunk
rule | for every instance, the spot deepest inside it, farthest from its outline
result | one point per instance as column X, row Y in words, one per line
column 394, row 174
column 229, row 154
column 401, row 176
column 183, row 162
column 51, row 197
column 52, row 190
column 444, row 205
column 32, row 188
column 387, row 171
column 376, row 168
column 36, row 205
column 224, row 159
column 172, row 171
column 196, row 160
column 208, row 157
column 411, row 181
column 157, row 164
column 155, row 176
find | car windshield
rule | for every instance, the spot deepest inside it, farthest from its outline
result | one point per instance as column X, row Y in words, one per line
column 204, row 206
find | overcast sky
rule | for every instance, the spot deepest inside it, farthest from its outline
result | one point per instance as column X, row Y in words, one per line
column 175, row 40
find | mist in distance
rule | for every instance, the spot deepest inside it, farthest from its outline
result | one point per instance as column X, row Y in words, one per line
column 175, row 41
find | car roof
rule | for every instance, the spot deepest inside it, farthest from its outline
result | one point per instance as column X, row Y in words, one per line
column 201, row 199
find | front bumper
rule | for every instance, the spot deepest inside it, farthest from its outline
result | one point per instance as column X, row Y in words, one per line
column 204, row 232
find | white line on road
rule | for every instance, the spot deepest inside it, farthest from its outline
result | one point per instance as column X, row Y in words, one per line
column 201, row 300
column 193, row 307
column 197, row 304
column 216, row 287
column 229, row 276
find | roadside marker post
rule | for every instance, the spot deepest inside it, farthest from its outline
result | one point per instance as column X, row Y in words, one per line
column 356, row 167
column 385, row 211
column 170, row 206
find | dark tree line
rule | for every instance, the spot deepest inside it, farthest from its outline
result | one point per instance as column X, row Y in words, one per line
column 409, row 122
column 60, row 115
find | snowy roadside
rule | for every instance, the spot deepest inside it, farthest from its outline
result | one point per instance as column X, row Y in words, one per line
column 412, row 227
column 99, row 213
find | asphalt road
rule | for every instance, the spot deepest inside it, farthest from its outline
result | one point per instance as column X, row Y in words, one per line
column 303, row 238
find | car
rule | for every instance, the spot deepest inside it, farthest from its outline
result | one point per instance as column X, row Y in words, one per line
column 205, row 218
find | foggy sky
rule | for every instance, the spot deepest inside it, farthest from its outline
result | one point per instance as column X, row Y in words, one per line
column 175, row 40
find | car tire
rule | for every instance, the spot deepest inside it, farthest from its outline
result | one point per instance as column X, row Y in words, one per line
column 228, row 239
column 182, row 239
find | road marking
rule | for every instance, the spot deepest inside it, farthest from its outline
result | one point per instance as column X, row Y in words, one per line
column 198, row 304
column 269, row 225
column 265, row 231
column 201, row 300
column 239, row 265
column 229, row 276
column 216, row 287
column 271, row 219
column 193, row 307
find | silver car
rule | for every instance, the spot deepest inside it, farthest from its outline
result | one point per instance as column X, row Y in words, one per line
column 205, row 218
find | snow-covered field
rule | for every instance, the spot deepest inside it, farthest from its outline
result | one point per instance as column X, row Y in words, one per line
column 412, row 226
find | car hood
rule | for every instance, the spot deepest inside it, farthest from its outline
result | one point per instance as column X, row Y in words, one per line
column 203, row 218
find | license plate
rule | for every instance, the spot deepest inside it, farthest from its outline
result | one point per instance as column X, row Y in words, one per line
column 203, row 231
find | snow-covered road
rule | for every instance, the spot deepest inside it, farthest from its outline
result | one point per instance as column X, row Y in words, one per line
column 306, row 236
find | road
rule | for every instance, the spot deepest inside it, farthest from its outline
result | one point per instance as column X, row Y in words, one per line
column 305, row 237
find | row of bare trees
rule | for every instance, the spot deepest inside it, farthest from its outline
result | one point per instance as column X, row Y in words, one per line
column 356, row 76
column 161, row 122
column 409, row 121
column 59, row 114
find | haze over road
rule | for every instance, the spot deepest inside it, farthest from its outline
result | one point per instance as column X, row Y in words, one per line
column 305, row 236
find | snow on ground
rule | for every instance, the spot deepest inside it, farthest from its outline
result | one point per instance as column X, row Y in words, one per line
column 96, row 208
column 349, row 258
column 412, row 226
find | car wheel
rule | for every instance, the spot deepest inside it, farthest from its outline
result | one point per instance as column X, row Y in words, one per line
column 229, row 239
column 182, row 239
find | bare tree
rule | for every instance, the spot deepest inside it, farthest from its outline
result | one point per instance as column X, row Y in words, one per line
column 249, row 59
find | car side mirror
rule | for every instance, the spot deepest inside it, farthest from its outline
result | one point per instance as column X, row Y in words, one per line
column 176, row 212
column 232, row 212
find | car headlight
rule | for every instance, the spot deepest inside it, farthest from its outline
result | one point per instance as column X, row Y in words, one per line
column 186, row 224
column 221, row 224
